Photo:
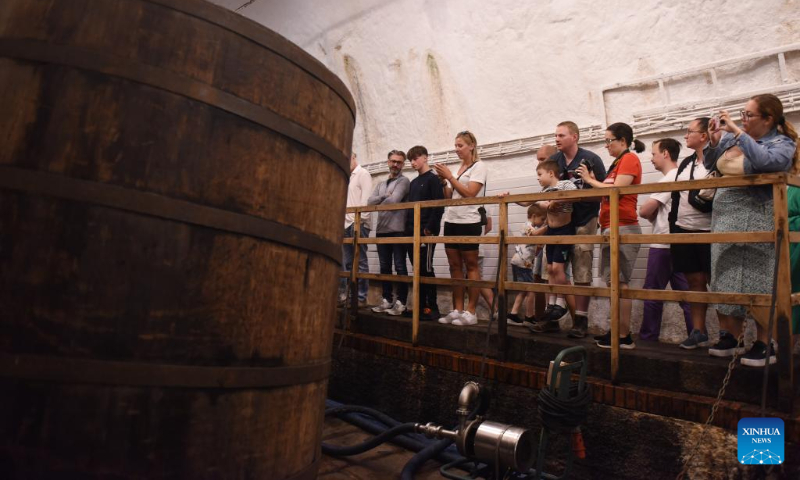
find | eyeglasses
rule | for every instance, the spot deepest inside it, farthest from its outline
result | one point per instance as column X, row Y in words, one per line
column 398, row 162
column 609, row 140
column 689, row 132
column 748, row 115
column 464, row 133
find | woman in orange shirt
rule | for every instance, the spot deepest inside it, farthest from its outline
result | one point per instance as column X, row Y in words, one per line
column 626, row 170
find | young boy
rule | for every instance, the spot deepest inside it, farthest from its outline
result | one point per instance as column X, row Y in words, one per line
column 522, row 263
column 426, row 186
column 559, row 222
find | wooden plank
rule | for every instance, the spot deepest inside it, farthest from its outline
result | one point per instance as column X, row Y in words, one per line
column 501, row 285
column 385, row 240
column 614, row 293
column 456, row 281
column 463, row 239
column 385, row 277
column 727, row 237
column 783, row 305
column 558, row 239
column 795, row 301
column 698, row 297
column 793, row 180
column 734, row 181
column 415, row 285
column 563, row 289
column 794, row 237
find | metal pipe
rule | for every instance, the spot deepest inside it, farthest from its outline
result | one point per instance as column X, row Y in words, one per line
column 469, row 392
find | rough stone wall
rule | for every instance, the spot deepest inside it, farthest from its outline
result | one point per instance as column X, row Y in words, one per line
column 423, row 70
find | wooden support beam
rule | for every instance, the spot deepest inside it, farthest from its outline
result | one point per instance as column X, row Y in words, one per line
column 501, row 285
column 787, row 400
column 614, row 293
column 415, row 285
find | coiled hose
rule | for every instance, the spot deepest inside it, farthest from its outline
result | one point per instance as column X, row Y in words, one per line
column 559, row 415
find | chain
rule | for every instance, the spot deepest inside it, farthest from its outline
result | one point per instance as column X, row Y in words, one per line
column 714, row 407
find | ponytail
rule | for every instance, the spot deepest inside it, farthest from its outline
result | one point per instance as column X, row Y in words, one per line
column 638, row 146
column 788, row 129
column 770, row 106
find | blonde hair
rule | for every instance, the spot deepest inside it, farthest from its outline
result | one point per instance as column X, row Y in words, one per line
column 770, row 106
column 572, row 127
column 469, row 137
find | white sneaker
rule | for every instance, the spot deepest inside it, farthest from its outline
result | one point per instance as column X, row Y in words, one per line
column 450, row 317
column 385, row 305
column 397, row 309
column 466, row 318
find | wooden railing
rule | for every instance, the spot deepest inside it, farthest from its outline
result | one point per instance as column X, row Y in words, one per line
column 784, row 298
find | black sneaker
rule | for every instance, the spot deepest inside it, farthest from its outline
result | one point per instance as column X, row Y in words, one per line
column 548, row 310
column 625, row 343
column 597, row 338
column 726, row 346
column 757, row 356
column 428, row 315
column 513, row 319
column 556, row 312
column 579, row 327
column 544, row 327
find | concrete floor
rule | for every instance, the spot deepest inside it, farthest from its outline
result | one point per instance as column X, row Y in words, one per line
column 383, row 462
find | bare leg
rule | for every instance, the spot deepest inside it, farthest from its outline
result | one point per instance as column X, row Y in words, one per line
column 517, row 303
column 698, row 282
column 470, row 259
column 454, row 260
column 730, row 324
column 530, row 306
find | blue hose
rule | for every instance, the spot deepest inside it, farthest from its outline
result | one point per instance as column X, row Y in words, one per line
column 365, row 418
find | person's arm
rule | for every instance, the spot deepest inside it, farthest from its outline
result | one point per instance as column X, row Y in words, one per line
column 775, row 155
column 649, row 210
column 598, row 168
column 468, row 190
column 399, row 192
column 376, row 197
column 365, row 183
column 435, row 192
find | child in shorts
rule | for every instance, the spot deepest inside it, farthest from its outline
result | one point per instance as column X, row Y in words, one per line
column 559, row 222
column 522, row 263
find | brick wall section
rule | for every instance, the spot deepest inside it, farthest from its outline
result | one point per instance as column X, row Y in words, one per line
column 695, row 408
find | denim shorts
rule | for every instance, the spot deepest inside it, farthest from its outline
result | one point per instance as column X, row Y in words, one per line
column 521, row 274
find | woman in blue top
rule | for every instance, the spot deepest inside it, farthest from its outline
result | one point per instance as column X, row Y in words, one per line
column 769, row 144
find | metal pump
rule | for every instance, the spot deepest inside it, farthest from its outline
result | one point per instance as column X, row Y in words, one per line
column 505, row 446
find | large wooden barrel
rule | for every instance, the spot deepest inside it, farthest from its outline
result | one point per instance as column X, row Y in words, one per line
column 172, row 187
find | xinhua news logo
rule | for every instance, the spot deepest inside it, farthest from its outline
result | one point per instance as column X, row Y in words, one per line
column 761, row 441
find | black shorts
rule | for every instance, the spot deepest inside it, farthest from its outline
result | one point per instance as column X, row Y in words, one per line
column 690, row 257
column 559, row 253
column 461, row 230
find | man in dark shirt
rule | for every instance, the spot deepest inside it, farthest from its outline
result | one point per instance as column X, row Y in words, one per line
column 427, row 186
column 584, row 214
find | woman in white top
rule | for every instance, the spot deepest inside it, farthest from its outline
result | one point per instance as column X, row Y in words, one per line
column 468, row 181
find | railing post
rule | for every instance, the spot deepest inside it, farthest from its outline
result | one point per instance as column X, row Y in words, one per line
column 354, row 266
column 415, row 282
column 783, row 306
column 614, row 299
column 502, row 326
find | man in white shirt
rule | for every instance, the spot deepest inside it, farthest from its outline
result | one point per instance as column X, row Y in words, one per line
column 659, row 261
column 358, row 192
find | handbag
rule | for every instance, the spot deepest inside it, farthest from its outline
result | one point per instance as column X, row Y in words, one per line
column 731, row 162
